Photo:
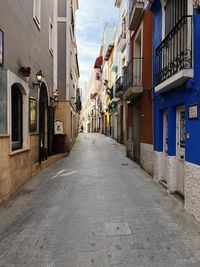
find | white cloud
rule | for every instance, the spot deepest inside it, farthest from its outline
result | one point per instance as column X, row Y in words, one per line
column 91, row 18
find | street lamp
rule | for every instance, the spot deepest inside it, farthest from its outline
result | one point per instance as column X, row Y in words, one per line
column 39, row 77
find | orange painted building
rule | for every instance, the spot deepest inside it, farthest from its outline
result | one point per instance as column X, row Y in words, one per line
column 138, row 88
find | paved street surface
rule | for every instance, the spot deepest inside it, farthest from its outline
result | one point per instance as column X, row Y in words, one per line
column 96, row 208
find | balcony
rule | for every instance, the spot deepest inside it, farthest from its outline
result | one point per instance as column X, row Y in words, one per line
column 133, row 84
column 136, row 8
column 174, row 64
column 121, row 42
column 119, row 89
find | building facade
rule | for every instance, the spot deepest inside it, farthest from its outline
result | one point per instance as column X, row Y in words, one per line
column 122, row 56
column 26, row 90
column 176, row 99
column 138, row 86
column 29, row 80
column 66, row 72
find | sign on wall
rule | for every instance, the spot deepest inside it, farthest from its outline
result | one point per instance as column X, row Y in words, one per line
column 193, row 112
column 1, row 47
column 58, row 127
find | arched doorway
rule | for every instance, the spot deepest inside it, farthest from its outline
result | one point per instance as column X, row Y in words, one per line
column 43, row 123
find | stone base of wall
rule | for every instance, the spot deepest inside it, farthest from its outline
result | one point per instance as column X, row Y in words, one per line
column 147, row 158
column 158, row 166
column 171, row 173
column 192, row 189
column 16, row 168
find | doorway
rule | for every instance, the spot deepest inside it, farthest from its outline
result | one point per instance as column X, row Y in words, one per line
column 180, row 148
column 136, row 133
column 165, row 146
column 43, row 123
column 121, row 124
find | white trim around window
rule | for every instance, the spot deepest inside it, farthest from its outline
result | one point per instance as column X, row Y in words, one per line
column 12, row 78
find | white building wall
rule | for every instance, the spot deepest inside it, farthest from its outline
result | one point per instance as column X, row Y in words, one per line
column 147, row 157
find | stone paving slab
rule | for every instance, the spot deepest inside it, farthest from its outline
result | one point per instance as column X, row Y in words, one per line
column 96, row 208
column 118, row 229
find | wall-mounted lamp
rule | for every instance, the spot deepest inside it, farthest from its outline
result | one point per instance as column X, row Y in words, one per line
column 55, row 95
column 39, row 77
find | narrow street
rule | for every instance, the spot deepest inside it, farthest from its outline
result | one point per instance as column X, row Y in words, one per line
column 96, row 208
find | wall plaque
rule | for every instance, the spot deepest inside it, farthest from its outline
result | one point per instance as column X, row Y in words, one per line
column 193, row 112
column 58, row 127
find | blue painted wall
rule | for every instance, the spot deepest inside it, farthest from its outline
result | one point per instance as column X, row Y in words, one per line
column 186, row 95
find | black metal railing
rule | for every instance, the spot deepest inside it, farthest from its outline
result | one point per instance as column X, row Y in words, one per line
column 175, row 51
column 132, row 4
column 133, row 74
column 119, row 85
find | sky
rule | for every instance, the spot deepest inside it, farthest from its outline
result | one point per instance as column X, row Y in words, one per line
column 90, row 21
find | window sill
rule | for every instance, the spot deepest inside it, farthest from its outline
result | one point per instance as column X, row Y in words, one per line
column 4, row 135
column 36, row 133
column 12, row 153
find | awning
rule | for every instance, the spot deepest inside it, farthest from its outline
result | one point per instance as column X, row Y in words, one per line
column 109, row 51
column 98, row 62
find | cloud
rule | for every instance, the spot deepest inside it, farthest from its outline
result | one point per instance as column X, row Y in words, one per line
column 91, row 18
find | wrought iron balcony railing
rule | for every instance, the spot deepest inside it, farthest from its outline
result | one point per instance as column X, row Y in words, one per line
column 119, row 86
column 133, row 74
column 175, row 52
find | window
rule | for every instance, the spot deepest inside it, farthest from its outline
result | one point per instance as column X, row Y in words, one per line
column 33, row 115
column 123, row 34
column 174, row 10
column 37, row 12
column 51, row 36
column 1, row 47
column 17, row 117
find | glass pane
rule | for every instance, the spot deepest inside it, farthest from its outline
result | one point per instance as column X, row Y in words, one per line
column 33, row 115
column 16, row 118
column 182, row 129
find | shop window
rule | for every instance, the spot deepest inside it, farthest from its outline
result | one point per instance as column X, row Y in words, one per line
column 17, row 118
column 33, row 115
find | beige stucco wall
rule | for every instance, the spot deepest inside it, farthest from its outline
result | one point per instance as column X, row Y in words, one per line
column 17, row 168
column 70, row 130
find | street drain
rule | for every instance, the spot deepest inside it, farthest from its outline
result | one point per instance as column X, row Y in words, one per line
column 124, row 164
